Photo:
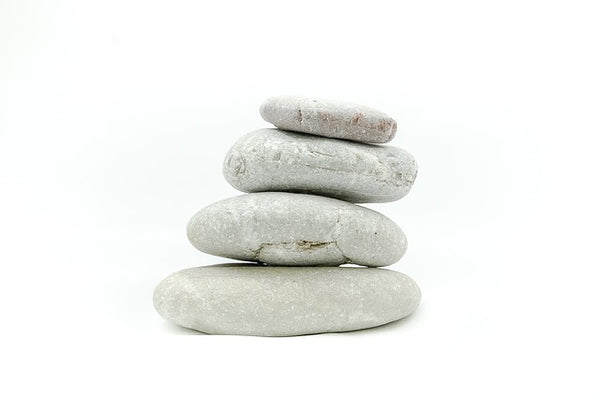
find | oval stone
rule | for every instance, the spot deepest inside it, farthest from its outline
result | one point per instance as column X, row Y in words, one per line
column 328, row 118
column 284, row 301
column 276, row 160
column 281, row 228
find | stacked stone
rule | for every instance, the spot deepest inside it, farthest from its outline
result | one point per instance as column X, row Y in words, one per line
column 296, row 223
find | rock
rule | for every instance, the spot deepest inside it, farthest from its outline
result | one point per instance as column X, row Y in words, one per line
column 328, row 118
column 284, row 301
column 281, row 228
column 276, row 160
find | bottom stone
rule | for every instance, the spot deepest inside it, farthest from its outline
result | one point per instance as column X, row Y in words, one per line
column 250, row 299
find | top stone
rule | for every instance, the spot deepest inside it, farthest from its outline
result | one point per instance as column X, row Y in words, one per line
column 335, row 119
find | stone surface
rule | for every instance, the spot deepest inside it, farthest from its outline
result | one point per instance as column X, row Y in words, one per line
column 284, row 301
column 329, row 118
column 276, row 160
column 281, row 228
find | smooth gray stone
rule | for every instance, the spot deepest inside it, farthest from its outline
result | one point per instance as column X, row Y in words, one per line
column 276, row 160
column 328, row 118
column 281, row 228
column 284, row 301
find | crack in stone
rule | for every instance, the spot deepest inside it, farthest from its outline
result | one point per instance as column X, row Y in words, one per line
column 324, row 168
column 337, row 231
column 305, row 245
column 313, row 152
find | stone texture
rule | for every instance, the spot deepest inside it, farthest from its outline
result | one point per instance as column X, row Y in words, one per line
column 276, row 160
column 284, row 301
column 281, row 228
column 336, row 119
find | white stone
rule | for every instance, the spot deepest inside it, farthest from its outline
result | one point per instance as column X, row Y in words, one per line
column 284, row 301
column 281, row 228
column 329, row 118
column 276, row 160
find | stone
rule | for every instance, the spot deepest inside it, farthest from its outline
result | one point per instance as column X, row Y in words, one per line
column 246, row 299
column 276, row 160
column 281, row 228
column 336, row 119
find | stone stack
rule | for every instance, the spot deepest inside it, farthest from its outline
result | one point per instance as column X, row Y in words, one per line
column 297, row 224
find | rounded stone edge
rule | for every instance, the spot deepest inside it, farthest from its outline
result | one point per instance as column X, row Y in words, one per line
column 234, row 164
column 391, row 132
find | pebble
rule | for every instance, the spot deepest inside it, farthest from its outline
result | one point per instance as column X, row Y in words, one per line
column 276, row 160
column 336, row 119
column 256, row 300
column 281, row 228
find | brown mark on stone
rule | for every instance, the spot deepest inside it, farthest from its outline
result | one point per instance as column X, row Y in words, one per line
column 384, row 125
column 357, row 118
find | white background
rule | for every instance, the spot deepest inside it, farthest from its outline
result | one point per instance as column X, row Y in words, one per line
column 115, row 117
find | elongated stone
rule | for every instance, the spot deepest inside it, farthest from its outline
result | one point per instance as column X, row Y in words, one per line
column 276, row 160
column 328, row 118
column 284, row 301
column 281, row 228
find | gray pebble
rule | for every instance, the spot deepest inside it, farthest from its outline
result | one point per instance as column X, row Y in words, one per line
column 276, row 160
column 329, row 118
column 255, row 300
column 280, row 228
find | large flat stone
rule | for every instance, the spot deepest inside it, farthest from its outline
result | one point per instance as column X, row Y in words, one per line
column 284, row 301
